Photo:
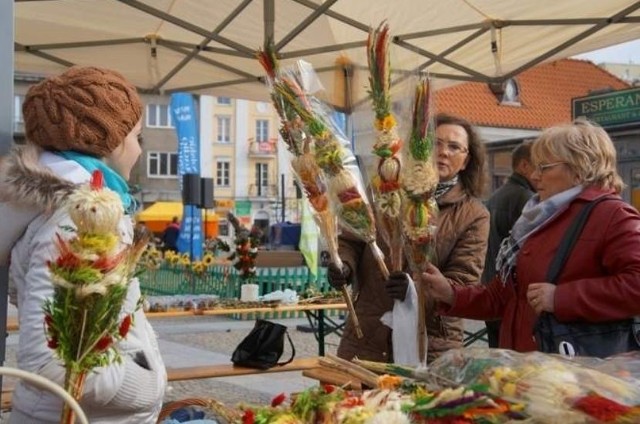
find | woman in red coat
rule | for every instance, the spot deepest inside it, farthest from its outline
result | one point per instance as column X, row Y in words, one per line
column 600, row 280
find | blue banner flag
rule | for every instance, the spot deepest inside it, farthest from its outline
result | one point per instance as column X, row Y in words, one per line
column 184, row 116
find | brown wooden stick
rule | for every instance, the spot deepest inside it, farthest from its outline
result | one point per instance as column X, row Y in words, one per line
column 356, row 371
column 352, row 311
column 346, row 295
column 379, row 257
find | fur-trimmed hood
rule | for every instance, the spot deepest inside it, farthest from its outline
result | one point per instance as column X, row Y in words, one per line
column 32, row 182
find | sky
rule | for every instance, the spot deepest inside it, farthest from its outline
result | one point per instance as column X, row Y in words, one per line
column 628, row 52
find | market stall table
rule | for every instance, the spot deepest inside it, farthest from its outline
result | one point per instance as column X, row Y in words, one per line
column 321, row 324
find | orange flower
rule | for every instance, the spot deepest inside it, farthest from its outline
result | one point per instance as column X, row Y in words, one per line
column 68, row 260
column 388, row 122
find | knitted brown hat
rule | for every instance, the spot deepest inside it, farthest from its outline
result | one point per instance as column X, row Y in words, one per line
column 89, row 110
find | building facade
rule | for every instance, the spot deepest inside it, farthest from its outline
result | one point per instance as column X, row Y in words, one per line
column 241, row 152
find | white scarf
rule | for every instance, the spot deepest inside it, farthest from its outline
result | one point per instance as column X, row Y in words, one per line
column 534, row 215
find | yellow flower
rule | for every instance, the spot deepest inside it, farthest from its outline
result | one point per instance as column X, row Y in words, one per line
column 185, row 261
column 208, row 259
column 386, row 123
column 96, row 243
column 198, row 267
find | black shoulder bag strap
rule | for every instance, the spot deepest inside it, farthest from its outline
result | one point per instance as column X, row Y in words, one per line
column 293, row 350
column 570, row 238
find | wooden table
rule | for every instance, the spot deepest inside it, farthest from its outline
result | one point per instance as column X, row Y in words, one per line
column 321, row 324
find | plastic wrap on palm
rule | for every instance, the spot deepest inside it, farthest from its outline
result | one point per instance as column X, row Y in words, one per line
column 385, row 182
column 305, row 169
column 338, row 165
column 419, row 181
column 346, row 190
column 309, row 176
column 553, row 388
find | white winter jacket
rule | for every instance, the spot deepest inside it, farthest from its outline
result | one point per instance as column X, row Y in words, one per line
column 130, row 392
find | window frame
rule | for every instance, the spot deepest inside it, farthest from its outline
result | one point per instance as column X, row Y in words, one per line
column 155, row 109
column 227, row 130
column 262, row 130
column 220, row 178
column 159, row 157
column 262, row 176
column 18, row 118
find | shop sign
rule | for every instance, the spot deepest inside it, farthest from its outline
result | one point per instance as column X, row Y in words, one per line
column 243, row 207
column 613, row 108
column 226, row 204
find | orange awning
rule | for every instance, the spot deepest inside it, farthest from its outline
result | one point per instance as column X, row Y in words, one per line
column 158, row 215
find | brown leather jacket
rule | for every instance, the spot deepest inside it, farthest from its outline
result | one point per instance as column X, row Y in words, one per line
column 461, row 246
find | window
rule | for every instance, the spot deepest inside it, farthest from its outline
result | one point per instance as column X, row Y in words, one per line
column 262, row 130
column 17, row 109
column 507, row 92
column 262, row 178
column 224, row 100
column 222, row 173
column 18, row 121
column 162, row 164
column 224, row 129
column 223, row 227
column 159, row 116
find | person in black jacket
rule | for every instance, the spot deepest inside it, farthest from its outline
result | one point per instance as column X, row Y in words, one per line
column 505, row 206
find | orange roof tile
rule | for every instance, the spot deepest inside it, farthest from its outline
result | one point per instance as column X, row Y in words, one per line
column 545, row 95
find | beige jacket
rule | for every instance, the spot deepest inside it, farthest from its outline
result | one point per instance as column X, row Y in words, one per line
column 463, row 228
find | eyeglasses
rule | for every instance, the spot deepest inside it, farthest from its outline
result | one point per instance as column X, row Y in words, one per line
column 541, row 168
column 452, row 148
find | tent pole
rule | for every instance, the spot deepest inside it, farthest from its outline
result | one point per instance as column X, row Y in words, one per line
column 269, row 14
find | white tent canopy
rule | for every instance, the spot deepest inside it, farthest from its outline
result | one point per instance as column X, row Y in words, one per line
column 208, row 46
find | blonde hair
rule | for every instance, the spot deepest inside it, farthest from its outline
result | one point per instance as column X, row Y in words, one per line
column 586, row 148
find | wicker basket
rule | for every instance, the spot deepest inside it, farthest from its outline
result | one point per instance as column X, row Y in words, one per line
column 212, row 407
column 46, row 384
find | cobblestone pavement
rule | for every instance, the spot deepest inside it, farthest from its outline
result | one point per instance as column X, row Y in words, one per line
column 223, row 339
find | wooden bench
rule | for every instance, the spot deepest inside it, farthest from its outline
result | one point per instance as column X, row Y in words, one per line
column 12, row 324
column 198, row 372
column 229, row 370
column 7, row 395
column 279, row 258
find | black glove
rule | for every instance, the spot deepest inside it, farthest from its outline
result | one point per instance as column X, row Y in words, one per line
column 397, row 284
column 338, row 277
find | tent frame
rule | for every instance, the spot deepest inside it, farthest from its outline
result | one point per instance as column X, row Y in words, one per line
column 192, row 52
